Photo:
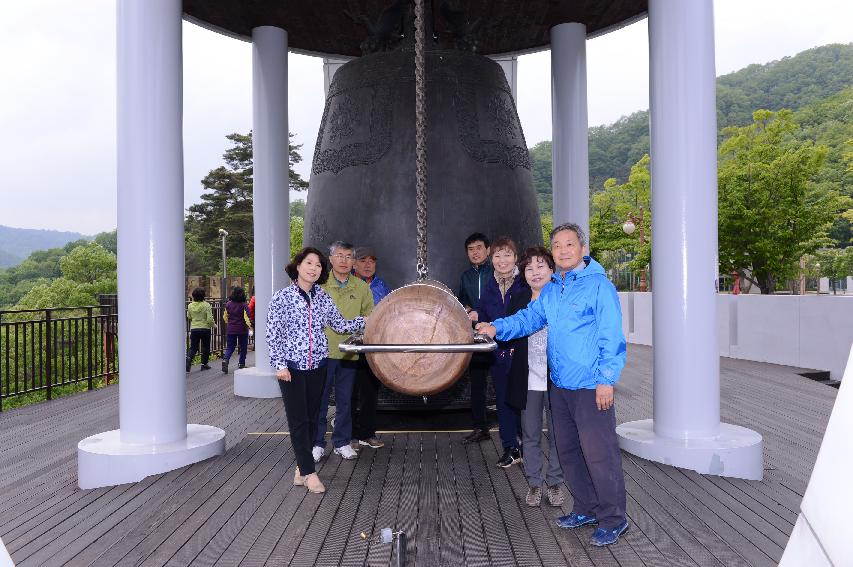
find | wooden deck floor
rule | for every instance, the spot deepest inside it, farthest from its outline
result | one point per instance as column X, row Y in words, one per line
column 455, row 506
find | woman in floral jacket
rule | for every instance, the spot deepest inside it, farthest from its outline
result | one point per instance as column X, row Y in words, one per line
column 298, row 349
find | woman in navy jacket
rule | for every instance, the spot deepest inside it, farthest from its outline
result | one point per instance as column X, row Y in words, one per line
column 494, row 301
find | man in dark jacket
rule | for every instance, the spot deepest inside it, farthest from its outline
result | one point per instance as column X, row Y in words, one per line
column 471, row 284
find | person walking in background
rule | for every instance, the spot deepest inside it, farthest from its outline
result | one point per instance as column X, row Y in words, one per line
column 201, row 320
column 497, row 292
column 299, row 349
column 252, row 307
column 470, row 288
column 237, row 329
column 528, row 385
column 586, row 354
column 366, row 392
column 353, row 299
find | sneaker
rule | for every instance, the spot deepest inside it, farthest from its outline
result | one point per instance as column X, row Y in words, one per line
column 317, row 452
column 371, row 442
column 355, row 445
column 189, row 364
column 314, row 484
column 534, row 496
column 476, row 436
column 346, row 452
column 510, row 457
column 241, row 365
column 556, row 496
column 225, row 366
column 205, row 366
column 601, row 537
column 574, row 520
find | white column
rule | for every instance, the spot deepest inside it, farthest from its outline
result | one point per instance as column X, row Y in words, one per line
column 686, row 430
column 271, row 197
column 154, row 436
column 569, row 149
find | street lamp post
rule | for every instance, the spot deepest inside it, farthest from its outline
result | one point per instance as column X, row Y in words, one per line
column 635, row 222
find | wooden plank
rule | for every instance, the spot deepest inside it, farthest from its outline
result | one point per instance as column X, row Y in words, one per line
column 427, row 541
column 284, row 552
column 450, row 548
column 204, row 527
column 556, row 546
column 163, row 542
column 474, row 546
column 683, row 526
column 356, row 549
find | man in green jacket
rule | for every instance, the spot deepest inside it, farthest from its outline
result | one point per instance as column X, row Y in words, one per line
column 201, row 320
column 353, row 298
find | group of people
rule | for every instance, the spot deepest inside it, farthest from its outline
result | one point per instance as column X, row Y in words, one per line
column 560, row 350
column 558, row 323
column 306, row 322
column 239, row 318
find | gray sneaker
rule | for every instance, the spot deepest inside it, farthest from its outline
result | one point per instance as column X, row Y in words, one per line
column 556, row 496
column 534, row 496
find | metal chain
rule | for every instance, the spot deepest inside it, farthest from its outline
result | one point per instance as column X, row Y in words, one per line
column 420, row 140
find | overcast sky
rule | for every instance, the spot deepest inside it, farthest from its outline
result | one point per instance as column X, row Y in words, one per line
column 57, row 94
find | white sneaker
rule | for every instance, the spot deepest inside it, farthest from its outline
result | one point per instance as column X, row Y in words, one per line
column 346, row 452
column 317, row 452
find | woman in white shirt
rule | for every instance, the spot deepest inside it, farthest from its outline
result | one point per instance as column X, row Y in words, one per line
column 529, row 386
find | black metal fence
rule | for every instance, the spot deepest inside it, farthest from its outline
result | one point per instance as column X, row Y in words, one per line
column 43, row 349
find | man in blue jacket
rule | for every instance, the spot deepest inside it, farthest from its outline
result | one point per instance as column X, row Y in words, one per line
column 586, row 353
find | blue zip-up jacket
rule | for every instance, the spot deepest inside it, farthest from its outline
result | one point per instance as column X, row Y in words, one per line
column 586, row 346
column 472, row 282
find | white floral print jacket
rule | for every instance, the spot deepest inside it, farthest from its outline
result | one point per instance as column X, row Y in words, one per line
column 295, row 323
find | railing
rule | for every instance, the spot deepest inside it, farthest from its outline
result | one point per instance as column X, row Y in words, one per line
column 43, row 349
column 217, row 337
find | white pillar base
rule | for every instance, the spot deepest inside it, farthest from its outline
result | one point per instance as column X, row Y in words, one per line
column 737, row 452
column 256, row 382
column 103, row 460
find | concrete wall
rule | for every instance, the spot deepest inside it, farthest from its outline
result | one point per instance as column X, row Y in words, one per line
column 812, row 332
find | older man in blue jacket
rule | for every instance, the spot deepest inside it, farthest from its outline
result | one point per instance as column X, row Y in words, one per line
column 586, row 353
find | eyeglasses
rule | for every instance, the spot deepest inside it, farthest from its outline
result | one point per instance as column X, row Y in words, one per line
column 339, row 256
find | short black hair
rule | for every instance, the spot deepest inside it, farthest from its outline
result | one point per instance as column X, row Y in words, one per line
column 300, row 257
column 536, row 252
column 198, row 294
column 475, row 237
column 238, row 294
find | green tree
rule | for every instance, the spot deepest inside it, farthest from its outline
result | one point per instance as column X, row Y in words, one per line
column 771, row 212
column 610, row 209
column 227, row 203
column 297, row 231
column 89, row 264
column 108, row 240
column 540, row 170
column 832, row 263
column 297, row 208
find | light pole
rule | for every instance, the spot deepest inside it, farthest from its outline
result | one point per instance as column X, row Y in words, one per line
column 223, row 233
column 633, row 223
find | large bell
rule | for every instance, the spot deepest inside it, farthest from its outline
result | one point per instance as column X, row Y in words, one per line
column 362, row 185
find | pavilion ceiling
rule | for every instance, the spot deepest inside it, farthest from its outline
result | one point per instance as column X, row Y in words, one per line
column 326, row 26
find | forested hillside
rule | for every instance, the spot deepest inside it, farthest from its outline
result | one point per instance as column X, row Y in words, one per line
column 814, row 78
